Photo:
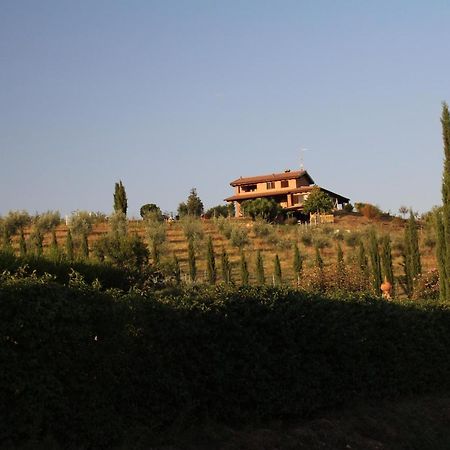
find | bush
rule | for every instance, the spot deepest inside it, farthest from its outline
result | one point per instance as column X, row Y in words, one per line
column 369, row 211
column 261, row 228
column 306, row 238
column 352, row 239
column 239, row 237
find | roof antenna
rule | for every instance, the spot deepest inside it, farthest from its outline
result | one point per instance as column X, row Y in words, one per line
column 302, row 150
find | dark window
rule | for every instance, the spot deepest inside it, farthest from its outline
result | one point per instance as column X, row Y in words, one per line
column 248, row 187
column 270, row 185
column 285, row 184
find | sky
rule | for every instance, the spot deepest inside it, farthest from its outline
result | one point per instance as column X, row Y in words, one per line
column 170, row 95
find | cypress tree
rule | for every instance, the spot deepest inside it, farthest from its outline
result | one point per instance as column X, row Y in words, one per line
column 443, row 247
column 244, row 270
column 120, row 198
column 226, row 267
column 363, row 262
column 277, row 271
column 54, row 250
column 6, row 241
column 69, row 246
column 192, row 261
column 155, row 253
column 211, row 262
column 38, row 243
column 319, row 260
column 260, row 276
column 412, row 264
column 84, row 246
column 375, row 262
column 386, row 260
column 320, row 268
column 298, row 264
column 176, row 269
column 22, row 244
column 340, row 264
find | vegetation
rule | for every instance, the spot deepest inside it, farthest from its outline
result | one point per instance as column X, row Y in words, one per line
column 317, row 202
column 120, row 199
column 144, row 362
column 262, row 208
column 443, row 218
column 151, row 209
column 192, row 207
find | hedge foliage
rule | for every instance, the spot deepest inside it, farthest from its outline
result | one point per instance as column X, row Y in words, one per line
column 89, row 368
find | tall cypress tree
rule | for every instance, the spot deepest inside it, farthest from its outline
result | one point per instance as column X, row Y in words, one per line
column 386, row 260
column 69, row 246
column 277, row 271
column 320, row 268
column 54, row 250
column 340, row 265
column 412, row 264
column 375, row 262
column 443, row 222
column 84, row 246
column 244, row 270
column 22, row 244
column 298, row 264
column 226, row 267
column 120, row 198
column 363, row 262
column 176, row 269
column 211, row 262
column 192, row 261
column 38, row 239
column 260, row 276
column 440, row 256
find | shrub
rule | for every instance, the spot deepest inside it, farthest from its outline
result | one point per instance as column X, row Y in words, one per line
column 261, row 228
column 352, row 238
column 192, row 228
column 306, row 238
column 317, row 201
column 239, row 237
column 45, row 222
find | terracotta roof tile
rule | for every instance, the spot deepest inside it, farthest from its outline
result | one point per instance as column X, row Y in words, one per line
column 272, row 177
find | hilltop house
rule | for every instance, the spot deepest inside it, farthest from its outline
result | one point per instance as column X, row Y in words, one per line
column 289, row 189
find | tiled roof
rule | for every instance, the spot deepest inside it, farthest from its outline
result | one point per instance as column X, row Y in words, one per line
column 288, row 175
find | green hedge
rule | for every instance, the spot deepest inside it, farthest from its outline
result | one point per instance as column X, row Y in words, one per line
column 108, row 275
column 84, row 368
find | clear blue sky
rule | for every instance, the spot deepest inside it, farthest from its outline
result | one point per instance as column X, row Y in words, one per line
column 169, row 95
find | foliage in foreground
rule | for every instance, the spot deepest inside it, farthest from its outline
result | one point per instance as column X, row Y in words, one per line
column 84, row 367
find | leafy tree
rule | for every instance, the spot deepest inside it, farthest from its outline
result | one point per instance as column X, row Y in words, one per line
column 443, row 219
column 47, row 221
column 375, row 262
column 263, row 208
column 386, row 259
column 277, row 271
column 298, row 264
column 69, row 246
column 192, row 261
column 211, row 262
column 81, row 222
column 239, row 237
column 151, row 209
column 16, row 220
column 318, row 201
column 120, row 198
column 127, row 251
column 260, row 276
column 226, row 267
column 193, row 205
column 244, row 270
column 192, row 228
column 218, row 211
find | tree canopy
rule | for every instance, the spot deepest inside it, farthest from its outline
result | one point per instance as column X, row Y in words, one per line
column 318, row 201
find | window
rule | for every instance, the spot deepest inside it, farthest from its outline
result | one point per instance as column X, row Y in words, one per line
column 270, row 185
column 284, row 183
column 297, row 199
column 248, row 187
